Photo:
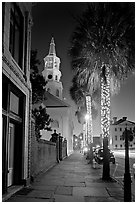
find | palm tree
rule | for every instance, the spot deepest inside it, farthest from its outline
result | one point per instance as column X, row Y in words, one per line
column 102, row 54
column 81, row 96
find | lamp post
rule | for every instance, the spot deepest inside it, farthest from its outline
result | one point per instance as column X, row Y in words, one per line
column 127, row 177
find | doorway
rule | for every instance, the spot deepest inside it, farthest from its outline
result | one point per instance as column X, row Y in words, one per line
column 11, row 141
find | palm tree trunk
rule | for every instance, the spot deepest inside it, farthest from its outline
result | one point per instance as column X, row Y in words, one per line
column 90, row 128
column 105, row 119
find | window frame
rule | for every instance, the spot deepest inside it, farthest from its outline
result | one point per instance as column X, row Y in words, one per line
column 16, row 30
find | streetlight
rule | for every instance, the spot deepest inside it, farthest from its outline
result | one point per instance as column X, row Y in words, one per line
column 128, row 136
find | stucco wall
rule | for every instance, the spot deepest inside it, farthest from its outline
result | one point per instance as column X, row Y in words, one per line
column 63, row 116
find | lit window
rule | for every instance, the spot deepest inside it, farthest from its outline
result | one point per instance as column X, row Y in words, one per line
column 16, row 34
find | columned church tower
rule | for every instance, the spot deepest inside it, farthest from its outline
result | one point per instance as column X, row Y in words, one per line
column 51, row 72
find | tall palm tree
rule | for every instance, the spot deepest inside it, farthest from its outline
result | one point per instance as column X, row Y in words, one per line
column 81, row 96
column 102, row 54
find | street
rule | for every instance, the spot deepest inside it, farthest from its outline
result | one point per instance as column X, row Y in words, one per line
column 117, row 170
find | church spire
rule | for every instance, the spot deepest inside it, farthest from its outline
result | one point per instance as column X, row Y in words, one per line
column 52, row 73
column 52, row 50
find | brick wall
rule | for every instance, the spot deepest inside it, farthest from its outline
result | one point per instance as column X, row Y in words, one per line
column 43, row 153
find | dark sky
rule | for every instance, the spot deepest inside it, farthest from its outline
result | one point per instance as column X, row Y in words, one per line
column 56, row 19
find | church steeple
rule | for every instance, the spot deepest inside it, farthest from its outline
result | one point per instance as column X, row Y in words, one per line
column 52, row 73
column 52, row 50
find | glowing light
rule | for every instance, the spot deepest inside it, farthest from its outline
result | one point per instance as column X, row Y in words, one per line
column 89, row 121
column 87, row 117
column 84, row 134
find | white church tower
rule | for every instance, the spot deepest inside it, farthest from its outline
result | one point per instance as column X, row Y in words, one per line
column 51, row 72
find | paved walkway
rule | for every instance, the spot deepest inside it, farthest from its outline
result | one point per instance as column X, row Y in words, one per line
column 72, row 180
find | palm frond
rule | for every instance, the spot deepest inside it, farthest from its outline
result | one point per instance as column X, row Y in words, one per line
column 105, row 34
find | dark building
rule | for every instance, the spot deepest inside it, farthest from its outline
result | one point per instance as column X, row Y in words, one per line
column 16, row 93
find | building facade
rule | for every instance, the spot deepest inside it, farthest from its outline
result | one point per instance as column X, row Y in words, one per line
column 56, row 106
column 116, row 129
column 16, row 93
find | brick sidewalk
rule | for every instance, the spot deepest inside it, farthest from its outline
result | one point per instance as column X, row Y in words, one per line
column 72, row 180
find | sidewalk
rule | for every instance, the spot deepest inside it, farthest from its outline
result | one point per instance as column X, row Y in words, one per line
column 72, row 180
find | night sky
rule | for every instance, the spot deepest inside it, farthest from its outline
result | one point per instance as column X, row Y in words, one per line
column 56, row 19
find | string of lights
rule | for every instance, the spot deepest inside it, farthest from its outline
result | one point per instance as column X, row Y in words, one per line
column 89, row 121
column 105, row 104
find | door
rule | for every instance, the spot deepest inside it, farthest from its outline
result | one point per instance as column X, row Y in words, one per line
column 11, row 137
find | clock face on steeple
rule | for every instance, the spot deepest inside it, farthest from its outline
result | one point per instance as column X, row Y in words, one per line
column 50, row 76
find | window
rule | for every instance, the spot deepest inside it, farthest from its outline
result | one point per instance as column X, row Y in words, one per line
column 115, row 129
column 50, row 62
column 116, row 145
column 130, row 129
column 16, row 34
column 120, row 129
column 121, row 145
column 115, row 137
column 56, row 78
column 57, row 92
column 4, row 92
column 121, row 137
column 3, row 21
column 14, row 103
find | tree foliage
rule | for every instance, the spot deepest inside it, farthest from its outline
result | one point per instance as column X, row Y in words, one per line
column 105, row 34
column 42, row 120
column 37, row 81
column 78, row 94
